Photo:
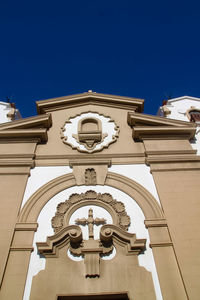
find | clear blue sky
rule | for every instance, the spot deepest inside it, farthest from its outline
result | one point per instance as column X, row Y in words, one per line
column 145, row 49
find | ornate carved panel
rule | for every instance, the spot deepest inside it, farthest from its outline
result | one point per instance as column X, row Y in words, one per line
column 89, row 132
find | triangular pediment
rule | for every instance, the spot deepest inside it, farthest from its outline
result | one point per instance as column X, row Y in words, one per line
column 133, row 104
column 142, row 124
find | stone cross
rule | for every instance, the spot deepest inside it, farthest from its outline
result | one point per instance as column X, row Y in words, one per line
column 91, row 248
column 90, row 221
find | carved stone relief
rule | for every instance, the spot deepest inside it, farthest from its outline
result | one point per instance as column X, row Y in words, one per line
column 90, row 177
column 105, row 200
column 89, row 132
column 91, row 249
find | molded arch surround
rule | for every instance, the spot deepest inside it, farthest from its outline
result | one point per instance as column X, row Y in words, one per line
column 37, row 201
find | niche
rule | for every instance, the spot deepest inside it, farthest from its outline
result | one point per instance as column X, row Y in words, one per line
column 90, row 132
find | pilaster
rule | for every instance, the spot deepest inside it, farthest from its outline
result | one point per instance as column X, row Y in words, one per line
column 176, row 171
column 18, row 141
column 18, row 262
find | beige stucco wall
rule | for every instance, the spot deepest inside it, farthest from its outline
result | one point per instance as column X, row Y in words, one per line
column 124, row 143
column 173, row 227
column 15, row 164
column 179, row 194
column 116, row 277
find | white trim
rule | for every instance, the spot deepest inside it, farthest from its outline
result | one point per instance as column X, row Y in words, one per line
column 183, row 98
column 139, row 173
column 5, row 104
column 41, row 175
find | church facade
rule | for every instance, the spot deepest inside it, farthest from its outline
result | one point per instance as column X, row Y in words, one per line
column 101, row 201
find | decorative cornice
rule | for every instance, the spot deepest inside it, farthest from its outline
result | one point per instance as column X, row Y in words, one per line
column 32, row 129
column 16, row 156
column 163, row 163
column 64, row 162
column 163, row 132
column 19, row 140
column 135, row 119
column 155, row 223
column 175, row 158
column 42, row 121
column 170, row 152
column 91, row 157
column 17, row 162
column 86, row 162
column 116, row 159
column 21, row 248
column 153, row 127
column 26, row 226
column 15, row 170
column 183, row 166
column 89, row 98
column 161, row 244
column 15, row 134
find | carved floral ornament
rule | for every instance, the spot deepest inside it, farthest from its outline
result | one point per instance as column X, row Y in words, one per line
column 65, row 209
column 90, row 176
column 89, row 132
